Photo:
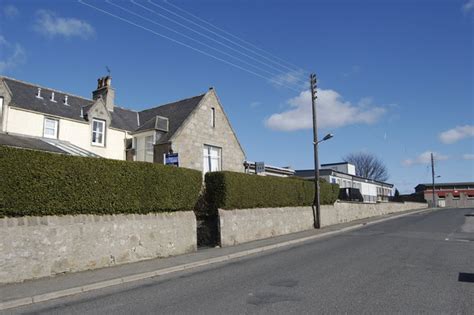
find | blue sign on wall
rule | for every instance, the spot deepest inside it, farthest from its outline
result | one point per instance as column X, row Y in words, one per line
column 172, row 159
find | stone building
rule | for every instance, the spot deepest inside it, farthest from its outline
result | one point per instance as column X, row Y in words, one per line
column 195, row 131
column 450, row 195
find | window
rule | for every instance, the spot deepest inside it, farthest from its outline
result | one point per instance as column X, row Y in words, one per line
column 50, row 129
column 149, row 143
column 333, row 180
column 98, row 132
column 213, row 117
column 211, row 159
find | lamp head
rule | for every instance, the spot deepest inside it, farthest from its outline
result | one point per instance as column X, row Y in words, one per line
column 328, row 136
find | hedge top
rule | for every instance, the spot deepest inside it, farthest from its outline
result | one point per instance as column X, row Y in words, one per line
column 39, row 183
column 231, row 190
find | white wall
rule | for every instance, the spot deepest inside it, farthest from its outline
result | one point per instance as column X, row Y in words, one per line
column 31, row 124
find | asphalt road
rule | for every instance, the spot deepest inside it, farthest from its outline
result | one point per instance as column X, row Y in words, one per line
column 422, row 263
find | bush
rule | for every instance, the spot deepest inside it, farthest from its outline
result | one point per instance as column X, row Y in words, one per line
column 39, row 183
column 230, row 190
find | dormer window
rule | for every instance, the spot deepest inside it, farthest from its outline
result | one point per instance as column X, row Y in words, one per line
column 52, row 97
column 38, row 93
column 65, row 100
column 98, row 132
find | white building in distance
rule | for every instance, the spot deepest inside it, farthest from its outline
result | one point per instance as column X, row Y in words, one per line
column 344, row 174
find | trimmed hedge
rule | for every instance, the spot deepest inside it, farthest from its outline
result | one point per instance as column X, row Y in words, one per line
column 230, row 190
column 39, row 183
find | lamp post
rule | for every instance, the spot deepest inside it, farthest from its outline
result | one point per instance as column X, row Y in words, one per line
column 316, row 203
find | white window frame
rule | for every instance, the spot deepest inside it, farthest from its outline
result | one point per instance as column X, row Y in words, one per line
column 55, row 129
column 95, row 142
column 208, row 158
column 148, row 150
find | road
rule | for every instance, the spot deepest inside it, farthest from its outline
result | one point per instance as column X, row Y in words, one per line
column 421, row 263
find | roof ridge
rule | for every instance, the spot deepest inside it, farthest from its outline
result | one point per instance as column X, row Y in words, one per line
column 62, row 92
column 46, row 88
column 180, row 100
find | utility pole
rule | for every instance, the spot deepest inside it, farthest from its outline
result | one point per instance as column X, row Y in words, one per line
column 316, row 205
column 433, row 179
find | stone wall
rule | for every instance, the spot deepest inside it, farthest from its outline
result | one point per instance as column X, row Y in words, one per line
column 342, row 212
column 245, row 225
column 34, row 247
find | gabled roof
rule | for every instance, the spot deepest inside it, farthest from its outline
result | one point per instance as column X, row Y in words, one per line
column 176, row 112
column 24, row 96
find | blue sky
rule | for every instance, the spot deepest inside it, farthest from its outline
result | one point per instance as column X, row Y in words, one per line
column 395, row 77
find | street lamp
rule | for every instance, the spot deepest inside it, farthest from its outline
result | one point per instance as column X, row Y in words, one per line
column 316, row 203
column 326, row 137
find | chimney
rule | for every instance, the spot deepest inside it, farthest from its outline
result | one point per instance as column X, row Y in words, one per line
column 105, row 91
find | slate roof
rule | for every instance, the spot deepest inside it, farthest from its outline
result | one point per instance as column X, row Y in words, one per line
column 24, row 96
column 176, row 112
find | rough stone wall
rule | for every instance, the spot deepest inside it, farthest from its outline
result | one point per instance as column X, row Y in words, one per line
column 245, row 225
column 197, row 132
column 34, row 247
column 342, row 212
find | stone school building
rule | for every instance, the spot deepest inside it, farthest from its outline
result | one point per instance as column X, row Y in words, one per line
column 194, row 132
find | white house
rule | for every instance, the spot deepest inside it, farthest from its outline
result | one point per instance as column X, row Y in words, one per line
column 344, row 174
column 196, row 130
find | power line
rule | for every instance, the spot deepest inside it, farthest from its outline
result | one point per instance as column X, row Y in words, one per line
column 186, row 36
column 220, row 36
column 233, row 36
column 180, row 42
column 213, row 39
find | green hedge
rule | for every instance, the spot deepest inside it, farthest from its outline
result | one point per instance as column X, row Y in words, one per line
column 39, row 183
column 230, row 190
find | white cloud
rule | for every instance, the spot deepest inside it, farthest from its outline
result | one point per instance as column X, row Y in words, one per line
column 333, row 112
column 49, row 24
column 468, row 156
column 425, row 158
column 456, row 134
column 11, row 55
column 468, row 6
column 10, row 11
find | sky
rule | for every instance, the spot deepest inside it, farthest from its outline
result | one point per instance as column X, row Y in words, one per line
column 395, row 77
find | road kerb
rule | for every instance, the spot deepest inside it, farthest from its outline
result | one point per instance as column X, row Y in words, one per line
column 160, row 272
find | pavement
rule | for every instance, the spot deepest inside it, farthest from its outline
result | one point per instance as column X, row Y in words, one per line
column 40, row 290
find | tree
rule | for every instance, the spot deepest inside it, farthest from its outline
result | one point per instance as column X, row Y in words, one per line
column 368, row 165
column 397, row 193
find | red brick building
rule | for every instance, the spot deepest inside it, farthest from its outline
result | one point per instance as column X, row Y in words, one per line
column 451, row 195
